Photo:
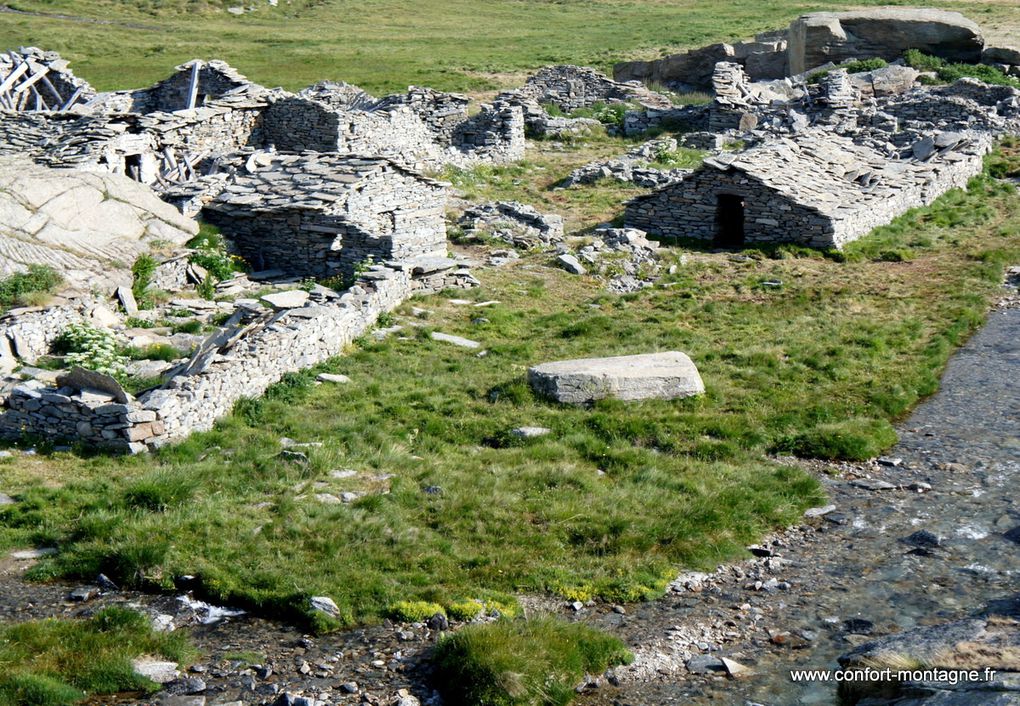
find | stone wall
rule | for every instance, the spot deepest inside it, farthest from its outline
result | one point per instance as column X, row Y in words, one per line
column 689, row 211
column 821, row 191
column 215, row 79
column 317, row 215
column 763, row 59
column 495, row 135
column 269, row 345
column 30, row 334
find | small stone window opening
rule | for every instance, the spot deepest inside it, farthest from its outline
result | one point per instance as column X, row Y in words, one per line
column 729, row 221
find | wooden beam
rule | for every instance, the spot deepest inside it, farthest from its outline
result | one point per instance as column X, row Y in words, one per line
column 30, row 81
column 193, row 89
column 53, row 89
column 74, row 97
column 12, row 77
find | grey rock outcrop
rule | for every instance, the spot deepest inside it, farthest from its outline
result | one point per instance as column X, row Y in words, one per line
column 665, row 376
column 821, row 37
column 87, row 226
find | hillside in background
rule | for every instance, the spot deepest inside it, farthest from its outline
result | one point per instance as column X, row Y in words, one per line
column 386, row 45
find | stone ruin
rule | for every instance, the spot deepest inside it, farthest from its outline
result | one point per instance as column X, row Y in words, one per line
column 180, row 128
column 824, row 39
column 362, row 208
column 322, row 184
column 815, row 188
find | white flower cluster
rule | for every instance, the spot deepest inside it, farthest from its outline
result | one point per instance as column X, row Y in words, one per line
column 92, row 349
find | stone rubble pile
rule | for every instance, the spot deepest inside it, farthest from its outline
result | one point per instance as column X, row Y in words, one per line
column 633, row 167
column 514, row 223
column 624, row 257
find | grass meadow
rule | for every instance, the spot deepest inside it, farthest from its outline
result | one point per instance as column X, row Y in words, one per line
column 386, row 45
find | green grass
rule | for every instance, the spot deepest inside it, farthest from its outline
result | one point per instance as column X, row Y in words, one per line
column 28, row 288
column 535, row 662
column 386, row 45
column 58, row 662
column 611, row 503
column 948, row 72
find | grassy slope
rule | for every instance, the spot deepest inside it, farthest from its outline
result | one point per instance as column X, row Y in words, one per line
column 682, row 483
column 385, row 45
column 56, row 662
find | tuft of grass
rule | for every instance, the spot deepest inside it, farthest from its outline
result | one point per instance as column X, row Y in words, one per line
column 30, row 287
column 415, row 611
column 60, row 662
column 535, row 662
column 852, row 440
column 949, row 72
column 142, row 270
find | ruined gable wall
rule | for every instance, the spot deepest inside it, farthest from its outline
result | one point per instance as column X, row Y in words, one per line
column 299, row 124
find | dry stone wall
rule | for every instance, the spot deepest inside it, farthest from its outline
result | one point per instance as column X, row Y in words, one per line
column 243, row 362
column 817, row 189
column 317, row 215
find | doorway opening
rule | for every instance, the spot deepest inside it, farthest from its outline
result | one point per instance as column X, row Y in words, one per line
column 729, row 221
column 133, row 166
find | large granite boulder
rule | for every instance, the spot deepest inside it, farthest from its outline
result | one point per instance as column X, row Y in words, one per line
column 664, row 376
column 89, row 226
column 821, row 37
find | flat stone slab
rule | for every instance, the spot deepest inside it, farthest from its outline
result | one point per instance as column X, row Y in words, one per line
column 333, row 377
column 291, row 299
column 665, row 376
column 455, row 340
column 31, row 554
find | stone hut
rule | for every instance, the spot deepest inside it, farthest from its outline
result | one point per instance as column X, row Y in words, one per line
column 423, row 129
column 322, row 214
column 817, row 189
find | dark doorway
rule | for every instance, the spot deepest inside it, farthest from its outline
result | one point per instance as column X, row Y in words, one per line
column 133, row 166
column 729, row 221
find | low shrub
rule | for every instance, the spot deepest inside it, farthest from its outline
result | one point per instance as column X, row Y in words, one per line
column 849, row 440
column 535, row 662
column 91, row 348
column 21, row 288
column 415, row 611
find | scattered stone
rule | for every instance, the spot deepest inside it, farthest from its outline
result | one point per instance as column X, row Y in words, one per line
column 705, row 664
column 819, row 511
column 873, row 484
column 734, row 669
column 571, row 264
column 455, row 340
column 669, row 375
column 333, row 377
column 291, row 299
column 530, row 432
column 6, row 499
column 324, row 604
column 159, row 671
column 83, row 593
column 889, row 461
column 923, row 539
